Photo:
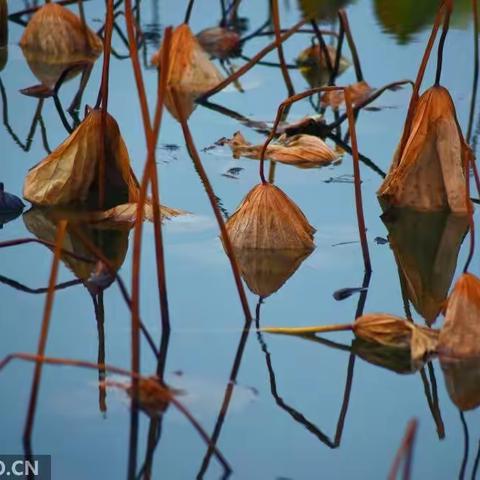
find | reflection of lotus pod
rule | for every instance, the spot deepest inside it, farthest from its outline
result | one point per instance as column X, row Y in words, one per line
column 153, row 398
column 322, row 9
column 460, row 335
column 462, row 378
column 313, row 65
column 70, row 173
column 429, row 175
column 398, row 360
column 405, row 18
column 268, row 219
column 265, row 271
column 426, row 247
column 113, row 243
column 191, row 73
column 55, row 31
column 3, row 34
column 219, row 42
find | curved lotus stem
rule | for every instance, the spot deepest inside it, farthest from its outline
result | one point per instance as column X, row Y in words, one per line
column 355, row 155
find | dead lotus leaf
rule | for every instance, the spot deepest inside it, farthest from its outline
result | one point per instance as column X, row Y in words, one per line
column 112, row 242
column 266, row 271
column 268, row 219
column 190, row 74
column 70, row 173
column 429, row 175
column 426, row 246
column 127, row 213
column 313, row 65
column 462, row 378
column 358, row 92
column 305, row 151
column 460, row 333
column 55, row 31
column 393, row 331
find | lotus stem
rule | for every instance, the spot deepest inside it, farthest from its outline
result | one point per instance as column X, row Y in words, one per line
column 405, row 450
column 213, row 202
column 323, row 46
column 103, row 95
column 342, row 16
column 281, row 55
column 469, row 162
column 308, row 330
column 441, row 43
column 245, row 68
column 338, row 56
column 473, row 99
column 358, row 188
column 188, row 12
column 42, row 343
column 418, row 81
column 150, row 172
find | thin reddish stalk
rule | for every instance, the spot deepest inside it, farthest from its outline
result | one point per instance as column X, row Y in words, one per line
column 467, row 164
column 418, row 81
column 281, row 55
column 41, row 359
column 42, row 343
column 358, row 189
column 213, row 202
column 342, row 15
column 245, row 68
column 441, row 43
column 405, row 451
column 107, row 46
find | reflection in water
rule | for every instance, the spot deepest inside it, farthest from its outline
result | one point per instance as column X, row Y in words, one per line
column 403, row 19
column 426, row 247
column 322, row 9
column 3, row 34
column 266, row 271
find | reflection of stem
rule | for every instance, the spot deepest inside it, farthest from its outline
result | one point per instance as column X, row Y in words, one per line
column 323, row 46
column 476, row 463
column 405, row 450
column 24, row 288
column 211, row 196
column 441, row 43
column 466, row 444
column 100, row 318
column 295, row 414
column 432, row 404
column 226, row 400
column 42, row 343
column 338, row 56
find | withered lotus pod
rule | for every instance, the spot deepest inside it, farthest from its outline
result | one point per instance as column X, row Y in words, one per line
column 460, row 334
column 312, row 63
column 430, row 175
column 462, row 378
column 268, row 219
column 392, row 331
column 70, row 174
column 190, row 73
column 426, row 246
column 266, row 271
column 112, row 242
column 55, row 31
column 219, row 42
column 304, row 151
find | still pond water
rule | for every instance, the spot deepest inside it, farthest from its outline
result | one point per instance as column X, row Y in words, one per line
column 298, row 409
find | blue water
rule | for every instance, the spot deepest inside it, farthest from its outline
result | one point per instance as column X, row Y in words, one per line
column 260, row 439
